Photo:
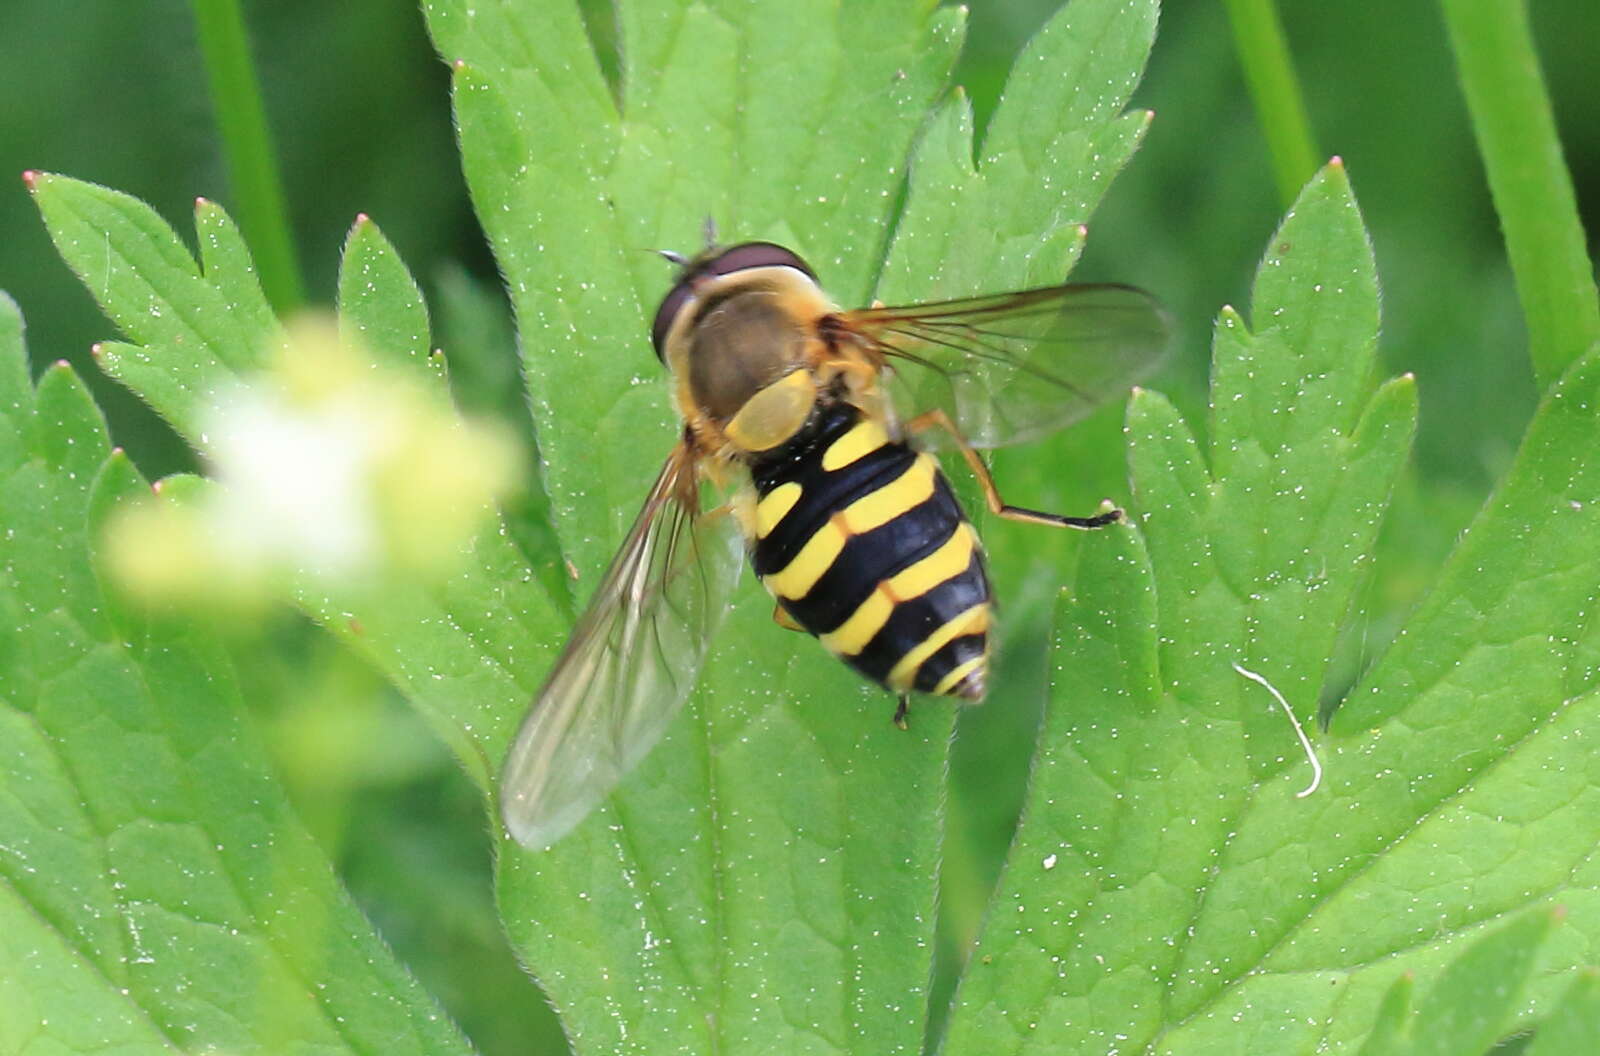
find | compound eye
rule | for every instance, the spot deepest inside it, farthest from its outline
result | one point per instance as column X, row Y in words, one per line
column 756, row 255
column 671, row 305
column 734, row 258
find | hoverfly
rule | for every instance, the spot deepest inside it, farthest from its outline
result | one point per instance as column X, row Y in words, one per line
column 854, row 530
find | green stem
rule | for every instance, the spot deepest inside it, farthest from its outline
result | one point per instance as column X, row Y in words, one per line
column 1275, row 91
column 1530, row 183
column 247, row 145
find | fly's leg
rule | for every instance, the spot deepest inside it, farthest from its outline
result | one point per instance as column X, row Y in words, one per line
column 900, row 711
column 939, row 419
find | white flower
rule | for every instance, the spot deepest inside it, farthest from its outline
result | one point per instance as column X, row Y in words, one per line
column 326, row 468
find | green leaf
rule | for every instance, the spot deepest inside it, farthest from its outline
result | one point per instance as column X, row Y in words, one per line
column 1156, row 751
column 1473, row 1004
column 225, row 261
column 478, row 334
column 148, row 284
column 1392, row 1023
column 1058, row 136
column 16, row 387
column 1508, row 620
column 156, row 892
column 187, row 332
column 1575, row 1021
column 379, row 302
column 1458, row 789
column 74, row 1011
column 70, row 433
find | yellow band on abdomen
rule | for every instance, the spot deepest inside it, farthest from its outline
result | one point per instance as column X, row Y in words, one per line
column 879, row 507
column 774, row 505
column 959, row 672
column 973, row 621
column 863, row 438
column 798, row 577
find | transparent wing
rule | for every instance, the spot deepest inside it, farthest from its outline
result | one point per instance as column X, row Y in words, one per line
column 1014, row 366
column 630, row 663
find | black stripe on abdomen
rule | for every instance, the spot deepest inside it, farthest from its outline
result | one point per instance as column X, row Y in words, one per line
column 914, row 619
column 874, row 556
column 822, row 493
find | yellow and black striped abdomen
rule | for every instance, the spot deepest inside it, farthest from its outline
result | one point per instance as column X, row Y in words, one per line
column 864, row 545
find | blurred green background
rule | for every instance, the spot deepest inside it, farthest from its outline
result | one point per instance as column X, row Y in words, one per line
column 358, row 106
